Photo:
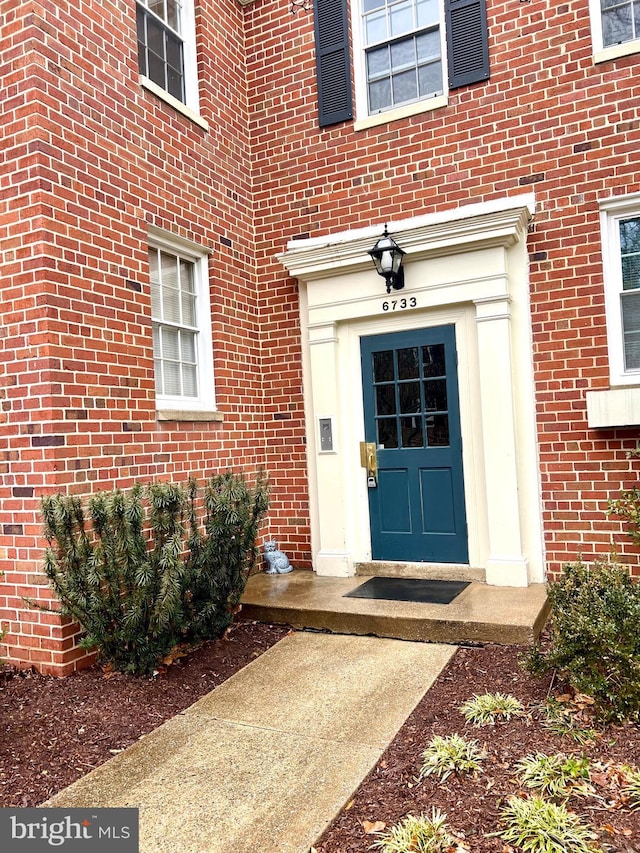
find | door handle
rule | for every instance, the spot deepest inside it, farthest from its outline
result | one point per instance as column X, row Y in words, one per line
column 369, row 460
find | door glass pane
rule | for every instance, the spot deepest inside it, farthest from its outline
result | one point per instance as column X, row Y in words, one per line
column 433, row 360
column 408, row 367
column 386, row 400
column 383, row 366
column 435, row 395
column 409, row 393
column 438, row 431
column 411, row 431
column 387, row 433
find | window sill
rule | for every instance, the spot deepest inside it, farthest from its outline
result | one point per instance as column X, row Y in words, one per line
column 174, row 102
column 615, row 51
column 619, row 407
column 194, row 417
column 401, row 112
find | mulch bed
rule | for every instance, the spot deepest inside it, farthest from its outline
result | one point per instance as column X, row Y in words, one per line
column 55, row 730
column 473, row 803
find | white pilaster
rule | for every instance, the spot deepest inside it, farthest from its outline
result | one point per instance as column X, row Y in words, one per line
column 506, row 565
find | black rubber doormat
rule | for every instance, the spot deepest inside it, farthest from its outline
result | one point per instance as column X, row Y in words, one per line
column 409, row 589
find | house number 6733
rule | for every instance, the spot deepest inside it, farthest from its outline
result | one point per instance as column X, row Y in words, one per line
column 399, row 304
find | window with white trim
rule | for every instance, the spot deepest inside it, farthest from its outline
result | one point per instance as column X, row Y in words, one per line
column 402, row 52
column 166, row 48
column 615, row 26
column 621, row 257
column 410, row 53
column 181, row 322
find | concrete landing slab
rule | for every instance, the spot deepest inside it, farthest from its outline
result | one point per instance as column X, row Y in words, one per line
column 265, row 761
column 480, row 614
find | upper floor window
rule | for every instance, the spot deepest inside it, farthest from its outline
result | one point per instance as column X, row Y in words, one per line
column 166, row 48
column 621, row 257
column 409, row 53
column 181, row 322
column 616, row 27
column 403, row 55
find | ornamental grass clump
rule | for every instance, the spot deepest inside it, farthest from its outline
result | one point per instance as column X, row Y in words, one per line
column 452, row 754
column 539, row 826
column 594, row 638
column 631, row 788
column 556, row 776
column 490, row 708
column 418, row 835
column 145, row 570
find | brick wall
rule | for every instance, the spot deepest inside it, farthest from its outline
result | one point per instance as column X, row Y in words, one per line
column 95, row 161
column 548, row 120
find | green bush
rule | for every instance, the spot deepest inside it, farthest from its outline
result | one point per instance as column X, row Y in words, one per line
column 156, row 566
column 627, row 506
column 595, row 637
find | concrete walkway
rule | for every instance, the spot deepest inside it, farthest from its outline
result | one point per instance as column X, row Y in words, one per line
column 265, row 761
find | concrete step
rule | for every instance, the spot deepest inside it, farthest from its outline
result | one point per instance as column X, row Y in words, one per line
column 480, row 614
column 427, row 571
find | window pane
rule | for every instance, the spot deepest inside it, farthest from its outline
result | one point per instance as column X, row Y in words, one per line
column 378, row 62
column 189, row 380
column 401, row 18
column 403, row 54
column 408, row 367
column 370, row 5
column 172, row 385
column 157, row 7
column 433, row 360
column 387, row 433
column 617, row 26
column 438, row 431
column 435, row 395
column 411, row 432
column 379, row 95
column 430, row 79
column 155, row 70
column 173, row 14
column 386, row 400
column 405, row 87
column 170, row 344
column 155, row 37
column 383, row 366
column 376, row 28
column 188, row 346
column 630, row 235
column 427, row 12
column 631, row 329
column 428, row 45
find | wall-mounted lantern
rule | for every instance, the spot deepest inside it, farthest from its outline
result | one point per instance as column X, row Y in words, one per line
column 387, row 257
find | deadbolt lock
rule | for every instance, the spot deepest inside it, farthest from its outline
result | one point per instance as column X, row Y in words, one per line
column 369, row 460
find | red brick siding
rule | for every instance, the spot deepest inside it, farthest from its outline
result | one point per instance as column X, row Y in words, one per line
column 548, row 120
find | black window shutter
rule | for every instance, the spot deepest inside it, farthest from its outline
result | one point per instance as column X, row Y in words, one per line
column 333, row 61
column 467, row 42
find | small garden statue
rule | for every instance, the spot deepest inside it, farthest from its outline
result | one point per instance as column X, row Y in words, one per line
column 277, row 561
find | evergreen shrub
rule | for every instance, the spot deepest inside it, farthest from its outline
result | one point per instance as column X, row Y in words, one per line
column 595, row 637
column 159, row 565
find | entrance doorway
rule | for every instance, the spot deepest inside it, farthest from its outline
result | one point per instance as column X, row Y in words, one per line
column 412, row 414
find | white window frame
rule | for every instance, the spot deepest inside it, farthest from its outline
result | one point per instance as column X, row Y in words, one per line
column 191, row 105
column 613, row 51
column 363, row 118
column 611, row 212
column 205, row 401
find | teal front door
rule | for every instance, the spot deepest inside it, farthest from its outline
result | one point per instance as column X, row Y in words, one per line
column 412, row 414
